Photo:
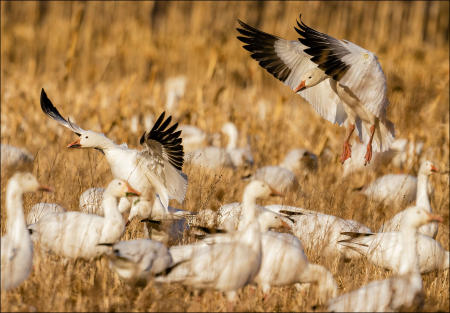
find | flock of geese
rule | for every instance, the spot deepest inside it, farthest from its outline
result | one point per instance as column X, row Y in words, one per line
column 239, row 245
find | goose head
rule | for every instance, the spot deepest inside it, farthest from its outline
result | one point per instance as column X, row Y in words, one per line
column 257, row 189
column 311, row 78
column 427, row 168
column 268, row 219
column 28, row 182
column 231, row 131
column 89, row 139
column 300, row 158
column 417, row 216
column 119, row 188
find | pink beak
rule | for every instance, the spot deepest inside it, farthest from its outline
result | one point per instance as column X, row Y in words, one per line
column 75, row 144
column 300, row 87
column 45, row 188
column 434, row 169
column 435, row 218
column 132, row 192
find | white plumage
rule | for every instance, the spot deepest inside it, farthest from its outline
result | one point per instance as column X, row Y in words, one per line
column 41, row 209
column 91, row 202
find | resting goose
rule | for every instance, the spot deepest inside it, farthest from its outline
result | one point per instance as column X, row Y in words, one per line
column 155, row 168
column 344, row 82
column 399, row 292
column 41, row 209
column 426, row 169
column 91, row 202
column 17, row 248
column 76, row 235
column 385, row 249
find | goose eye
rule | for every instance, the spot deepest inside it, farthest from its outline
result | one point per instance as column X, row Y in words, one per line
column 309, row 77
column 120, row 183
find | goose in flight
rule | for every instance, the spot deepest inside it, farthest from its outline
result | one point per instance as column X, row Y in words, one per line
column 343, row 82
column 157, row 167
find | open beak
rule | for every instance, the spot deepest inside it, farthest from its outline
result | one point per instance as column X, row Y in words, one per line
column 285, row 226
column 435, row 218
column 45, row 188
column 300, row 87
column 434, row 169
column 132, row 192
column 75, row 144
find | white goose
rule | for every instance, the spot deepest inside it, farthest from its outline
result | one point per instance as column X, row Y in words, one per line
column 41, row 209
column 14, row 157
column 426, row 169
column 193, row 137
column 225, row 266
column 239, row 156
column 344, row 82
column 402, row 291
column 17, row 248
column 138, row 260
column 76, row 235
column 156, row 168
column 91, row 202
column 385, row 249
column 320, row 231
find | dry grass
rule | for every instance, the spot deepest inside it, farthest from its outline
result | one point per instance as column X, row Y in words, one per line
column 103, row 62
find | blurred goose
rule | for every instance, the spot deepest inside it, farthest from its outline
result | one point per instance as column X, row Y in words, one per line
column 399, row 292
column 211, row 157
column 155, row 168
column 225, row 266
column 320, row 231
column 175, row 88
column 91, row 202
column 76, row 235
column 14, row 157
column 385, row 249
column 426, row 169
column 138, row 260
column 344, row 82
column 193, row 137
column 41, row 209
column 239, row 156
column 17, row 248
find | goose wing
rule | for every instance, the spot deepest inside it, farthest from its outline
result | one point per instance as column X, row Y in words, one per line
column 287, row 61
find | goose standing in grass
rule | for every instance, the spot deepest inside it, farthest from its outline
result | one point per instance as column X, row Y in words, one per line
column 156, row 168
column 225, row 266
column 344, row 82
column 385, row 249
column 319, row 231
column 41, row 209
column 17, row 247
column 403, row 291
column 239, row 156
column 91, row 202
column 76, row 235
column 136, row 261
column 426, row 169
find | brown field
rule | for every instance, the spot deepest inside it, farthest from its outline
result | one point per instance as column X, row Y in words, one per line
column 101, row 63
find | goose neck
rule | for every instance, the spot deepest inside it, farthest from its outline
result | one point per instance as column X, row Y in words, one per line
column 422, row 192
column 410, row 263
column 14, row 208
column 110, row 208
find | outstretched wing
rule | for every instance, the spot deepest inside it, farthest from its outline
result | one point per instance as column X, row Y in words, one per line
column 49, row 109
column 287, row 61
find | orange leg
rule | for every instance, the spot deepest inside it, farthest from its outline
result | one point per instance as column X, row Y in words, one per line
column 347, row 149
column 368, row 156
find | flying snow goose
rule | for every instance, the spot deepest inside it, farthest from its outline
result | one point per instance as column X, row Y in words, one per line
column 319, row 231
column 17, row 248
column 41, row 209
column 344, row 82
column 385, row 249
column 157, row 167
column 76, row 235
column 399, row 292
column 225, row 266
column 14, row 157
column 91, row 202
column 426, row 169
column 136, row 261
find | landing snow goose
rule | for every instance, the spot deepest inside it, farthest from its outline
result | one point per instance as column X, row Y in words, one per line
column 224, row 266
column 136, row 261
column 76, row 235
column 399, row 292
column 41, row 209
column 14, row 157
column 17, row 247
column 344, row 82
column 426, row 169
column 319, row 231
column 91, row 202
column 385, row 249
column 155, row 168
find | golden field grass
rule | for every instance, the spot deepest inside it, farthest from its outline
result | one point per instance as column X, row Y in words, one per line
column 101, row 63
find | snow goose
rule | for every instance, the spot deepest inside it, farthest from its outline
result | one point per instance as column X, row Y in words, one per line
column 17, row 248
column 344, row 82
column 425, row 170
column 385, row 249
column 239, row 156
column 14, row 157
column 400, row 292
column 175, row 88
column 137, row 260
column 320, row 232
column 41, row 209
column 225, row 266
column 76, row 235
column 193, row 137
column 211, row 157
column 155, row 168
column 91, row 202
